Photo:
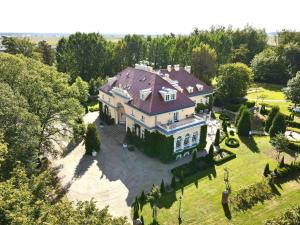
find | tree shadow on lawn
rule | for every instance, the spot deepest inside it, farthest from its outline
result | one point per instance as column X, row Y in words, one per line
column 250, row 143
column 168, row 198
column 226, row 210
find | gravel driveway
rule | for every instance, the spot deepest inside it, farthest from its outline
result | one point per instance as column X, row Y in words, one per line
column 115, row 176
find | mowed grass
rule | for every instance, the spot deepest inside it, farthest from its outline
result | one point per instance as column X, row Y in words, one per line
column 268, row 91
column 202, row 194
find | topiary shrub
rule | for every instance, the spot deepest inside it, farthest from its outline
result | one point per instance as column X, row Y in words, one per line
column 267, row 170
column 232, row 142
column 244, row 124
column 271, row 116
column 278, row 125
column 231, row 132
column 217, row 138
column 91, row 139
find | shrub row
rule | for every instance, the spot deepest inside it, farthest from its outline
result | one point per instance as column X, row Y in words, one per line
column 225, row 159
column 290, row 216
column 293, row 124
column 235, row 107
column 247, row 197
column 189, row 168
column 294, row 146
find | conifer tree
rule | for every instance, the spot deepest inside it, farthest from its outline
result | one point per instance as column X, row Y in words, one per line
column 244, row 124
column 92, row 142
column 278, row 125
column 271, row 116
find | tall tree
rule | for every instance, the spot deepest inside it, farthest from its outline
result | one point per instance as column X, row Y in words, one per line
column 91, row 140
column 203, row 62
column 48, row 54
column 82, row 55
column 269, row 66
column 15, row 46
column 272, row 114
column 233, row 80
column 292, row 91
column 244, row 124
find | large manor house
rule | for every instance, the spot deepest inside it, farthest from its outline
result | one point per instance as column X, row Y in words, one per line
column 158, row 100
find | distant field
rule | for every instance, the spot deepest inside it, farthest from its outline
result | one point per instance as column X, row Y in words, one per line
column 53, row 40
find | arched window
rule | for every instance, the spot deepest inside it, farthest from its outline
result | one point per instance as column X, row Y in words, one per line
column 194, row 138
column 186, row 140
column 178, row 142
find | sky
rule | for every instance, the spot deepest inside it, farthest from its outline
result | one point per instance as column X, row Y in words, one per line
column 145, row 16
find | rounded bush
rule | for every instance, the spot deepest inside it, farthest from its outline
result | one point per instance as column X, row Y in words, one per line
column 232, row 142
column 231, row 132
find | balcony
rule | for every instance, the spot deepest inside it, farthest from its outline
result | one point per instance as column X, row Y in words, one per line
column 171, row 127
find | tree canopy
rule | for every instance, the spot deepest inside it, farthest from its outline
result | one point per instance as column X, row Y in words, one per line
column 292, row 91
column 203, row 62
column 233, row 80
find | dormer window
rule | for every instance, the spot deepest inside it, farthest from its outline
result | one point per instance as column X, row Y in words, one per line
column 145, row 93
column 190, row 89
column 199, row 87
column 168, row 94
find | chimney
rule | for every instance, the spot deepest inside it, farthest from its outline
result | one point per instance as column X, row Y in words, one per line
column 169, row 67
column 176, row 67
column 188, row 69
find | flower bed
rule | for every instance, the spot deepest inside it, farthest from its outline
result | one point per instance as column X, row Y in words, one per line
column 232, row 142
column 223, row 156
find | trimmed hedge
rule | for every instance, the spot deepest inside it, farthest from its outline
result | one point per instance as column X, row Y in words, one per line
column 189, row 169
column 225, row 159
column 247, row 197
column 290, row 216
column 232, row 142
column 294, row 146
column 293, row 124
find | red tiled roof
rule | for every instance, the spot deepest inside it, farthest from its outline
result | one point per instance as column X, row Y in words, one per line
column 134, row 80
column 186, row 79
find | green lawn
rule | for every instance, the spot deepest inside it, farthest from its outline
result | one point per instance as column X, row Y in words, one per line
column 269, row 91
column 202, row 193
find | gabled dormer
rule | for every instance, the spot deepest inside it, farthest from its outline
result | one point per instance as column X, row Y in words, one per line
column 168, row 94
column 145, row 93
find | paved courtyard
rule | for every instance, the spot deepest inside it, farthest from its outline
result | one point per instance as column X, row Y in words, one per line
column 115, row 176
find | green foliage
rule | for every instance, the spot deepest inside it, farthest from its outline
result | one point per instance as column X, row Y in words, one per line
column 143, row 198
column 248, row 197
column 15, row 46
column 173, row 182
column 104, row 114
column 224, row 127
column 278, row 125
column 204, row 62
column 91, row 139
column 281, row 164
column 203, row 136
column 154, row 144
column 80, row 89
column 244, row 124
column 232, row 142
column 233, row 80
column 217, row 138
column 223, row 156
column 280, row 142
column 79, row 130
column 292, row 92
column 211, row 152
column 154, row 195
column 34, row 99
column 267, row 170
column 200, row 107
column 272, row 114
column 82, row 55
column 268, row 66
column 162, row 186
column 288, row 172
column 291, row 216
column 29, row 199
column 48, row 54
column 241, row 109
